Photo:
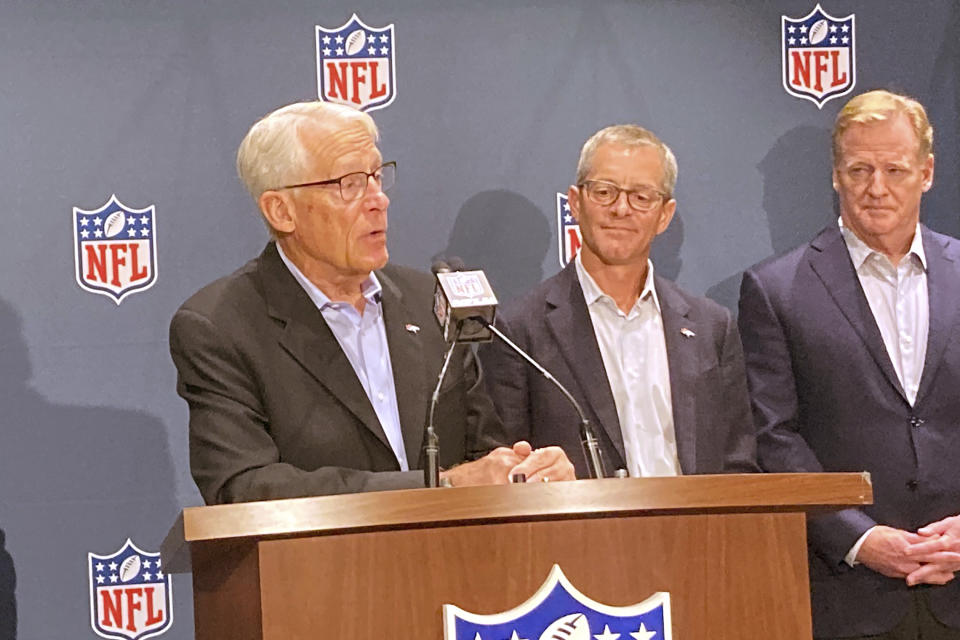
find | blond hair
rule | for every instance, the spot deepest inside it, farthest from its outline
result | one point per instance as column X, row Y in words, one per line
column 880, row 105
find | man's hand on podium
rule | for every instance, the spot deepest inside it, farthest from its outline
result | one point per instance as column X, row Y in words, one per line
column 498, row 466
column 542, row 465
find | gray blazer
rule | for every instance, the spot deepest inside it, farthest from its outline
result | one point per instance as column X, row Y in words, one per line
column 711, row 412
column 276, row 410
column 826, row 398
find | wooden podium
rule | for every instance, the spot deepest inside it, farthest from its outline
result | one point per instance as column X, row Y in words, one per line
column 730, row 549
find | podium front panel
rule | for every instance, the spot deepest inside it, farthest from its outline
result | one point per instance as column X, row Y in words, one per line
column 730, row 576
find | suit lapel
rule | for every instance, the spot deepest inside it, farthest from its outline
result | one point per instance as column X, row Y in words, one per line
column 683, row 362
column 568, row 319
column 830, row 260
column 943, row 286
column 308, row 339
column 409, row 371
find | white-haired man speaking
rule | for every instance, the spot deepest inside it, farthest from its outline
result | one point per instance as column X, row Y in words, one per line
column 309, row 370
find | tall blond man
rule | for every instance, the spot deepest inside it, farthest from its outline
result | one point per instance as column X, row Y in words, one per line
column 309, row 370
column 854, row 364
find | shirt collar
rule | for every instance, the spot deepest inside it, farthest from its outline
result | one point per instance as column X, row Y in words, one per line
column 592, row 291
column 859, row 251
column 370, row 288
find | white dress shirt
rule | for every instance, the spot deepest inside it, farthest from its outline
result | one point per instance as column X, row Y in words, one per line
column 899, row 300
column 363, row 339
column 635, row 358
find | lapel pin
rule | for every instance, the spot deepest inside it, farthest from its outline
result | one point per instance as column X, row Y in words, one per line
column 687, row 332
column 412, row 328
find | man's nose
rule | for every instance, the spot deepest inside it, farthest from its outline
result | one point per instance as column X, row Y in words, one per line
column 375, row 193
column 877, row 185
column 621, row 206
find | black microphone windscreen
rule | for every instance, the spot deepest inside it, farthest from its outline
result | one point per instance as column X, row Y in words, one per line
column 440, row 266
column 456, row 263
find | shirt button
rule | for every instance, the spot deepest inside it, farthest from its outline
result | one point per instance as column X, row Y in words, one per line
column 380, row 396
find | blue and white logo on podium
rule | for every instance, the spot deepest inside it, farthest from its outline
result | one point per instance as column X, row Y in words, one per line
column 558, row 611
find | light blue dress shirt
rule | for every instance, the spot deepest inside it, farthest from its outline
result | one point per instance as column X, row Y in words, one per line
column 363, row 339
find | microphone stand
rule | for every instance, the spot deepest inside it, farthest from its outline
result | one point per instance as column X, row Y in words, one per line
column 431, row 441
column 588, row 440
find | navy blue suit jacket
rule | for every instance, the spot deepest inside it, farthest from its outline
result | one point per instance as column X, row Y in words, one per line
column 826, row 397
column 711, row 410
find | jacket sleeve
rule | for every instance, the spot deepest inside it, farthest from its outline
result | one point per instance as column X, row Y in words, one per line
column 775, row 403
column 507, row 383
column 740, row 448
column 233, row 457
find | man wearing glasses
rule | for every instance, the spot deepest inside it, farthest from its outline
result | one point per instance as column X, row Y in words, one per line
column 309, row 370
column 658, row 372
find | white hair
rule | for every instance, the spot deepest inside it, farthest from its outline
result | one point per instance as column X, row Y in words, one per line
column 272, row 153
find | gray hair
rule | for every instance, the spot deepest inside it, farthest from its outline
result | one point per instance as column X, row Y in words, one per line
column 629, row 135
column 272, row 152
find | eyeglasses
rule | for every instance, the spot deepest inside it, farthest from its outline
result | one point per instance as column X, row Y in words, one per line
column 606, row 193
column 354, row 185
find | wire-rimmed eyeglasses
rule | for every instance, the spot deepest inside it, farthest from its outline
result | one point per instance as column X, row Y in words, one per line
column 354, row 185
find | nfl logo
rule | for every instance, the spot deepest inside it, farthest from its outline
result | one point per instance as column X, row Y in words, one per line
column 115, row 249
column 465, row 284
column 355, row 65
column 568, row 231
column 818, row 56
column 559, row 611
column 130, row 595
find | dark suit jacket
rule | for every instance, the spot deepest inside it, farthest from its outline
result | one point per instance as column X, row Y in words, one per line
column 276, row 410
column 826, row 398
column 711, row 412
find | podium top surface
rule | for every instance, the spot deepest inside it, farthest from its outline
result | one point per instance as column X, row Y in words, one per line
column 415, row 508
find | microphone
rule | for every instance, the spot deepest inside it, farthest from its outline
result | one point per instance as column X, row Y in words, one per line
column 588, row 439
column 465, row 306
column 431, row 441
column 474, row 316
column 461, row 299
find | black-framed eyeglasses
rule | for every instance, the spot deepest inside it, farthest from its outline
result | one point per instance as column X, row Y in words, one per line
column 606, row 193
column 354, row 185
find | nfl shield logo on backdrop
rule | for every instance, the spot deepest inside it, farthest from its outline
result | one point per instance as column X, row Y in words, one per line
column 355, row 65
column 559, row 611
column 130, row 595
column 568, row 231
column 115, row 249
column 818, row 56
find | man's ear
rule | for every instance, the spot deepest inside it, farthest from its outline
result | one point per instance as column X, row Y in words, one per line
column 573, row 201
column 278, row 210
column 666, row 215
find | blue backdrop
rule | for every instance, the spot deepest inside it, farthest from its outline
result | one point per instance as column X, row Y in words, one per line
column 148, row 100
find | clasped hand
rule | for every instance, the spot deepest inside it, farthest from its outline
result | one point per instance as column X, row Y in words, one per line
column 498, row 466
column 931, row 555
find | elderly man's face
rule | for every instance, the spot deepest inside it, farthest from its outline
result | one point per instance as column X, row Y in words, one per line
column 331, row 238
column 616, row 234
column 880, row 178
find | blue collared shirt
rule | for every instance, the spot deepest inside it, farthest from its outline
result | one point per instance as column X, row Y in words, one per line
column 363, row 339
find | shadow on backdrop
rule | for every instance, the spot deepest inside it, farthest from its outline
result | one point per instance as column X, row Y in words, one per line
column 504, row 234
column 665, row 252
column 8, row 588
column 75, row 460
column 942, row 203
column 798, row 197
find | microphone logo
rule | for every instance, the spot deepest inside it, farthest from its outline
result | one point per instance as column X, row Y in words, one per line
column 466, row 284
